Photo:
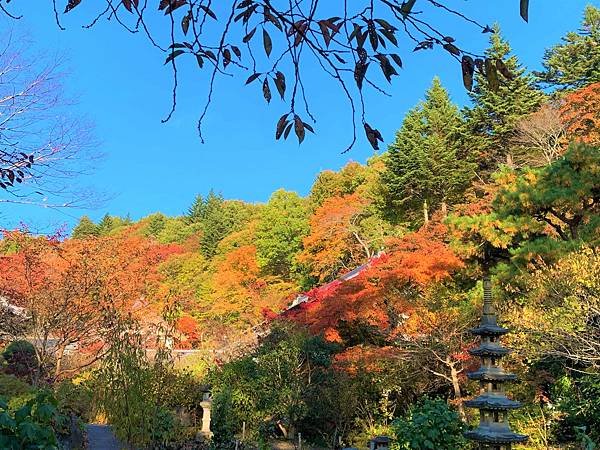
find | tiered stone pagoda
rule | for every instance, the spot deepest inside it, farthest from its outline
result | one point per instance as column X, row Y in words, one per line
column 493, row 432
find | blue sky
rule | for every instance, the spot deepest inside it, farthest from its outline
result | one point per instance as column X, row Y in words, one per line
column 122, row 86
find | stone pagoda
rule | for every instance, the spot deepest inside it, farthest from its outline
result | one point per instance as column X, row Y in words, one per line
column 493, row 432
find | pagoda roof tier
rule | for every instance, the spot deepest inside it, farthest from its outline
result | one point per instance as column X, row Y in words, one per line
column 492, row 435
column 489, row 330
column 492, row 402
column 489, row 349
column 491, row 374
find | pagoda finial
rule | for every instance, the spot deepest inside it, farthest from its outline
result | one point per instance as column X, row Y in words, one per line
column 493, row 432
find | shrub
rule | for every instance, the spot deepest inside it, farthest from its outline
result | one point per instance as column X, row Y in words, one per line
column 33, row 425
column 11, row 386
column 429, row 425
column 75, row 398
column 20, row 359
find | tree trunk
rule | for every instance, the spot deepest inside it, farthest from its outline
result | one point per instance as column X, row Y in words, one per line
column 444, row 209
column 425, row 211
column 458, row 394
column 59, row 359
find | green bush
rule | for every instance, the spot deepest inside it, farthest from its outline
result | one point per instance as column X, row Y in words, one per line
column 75, row 398
column 430, row 425
column 20, row 359
column 11, row 386
column 34, row 425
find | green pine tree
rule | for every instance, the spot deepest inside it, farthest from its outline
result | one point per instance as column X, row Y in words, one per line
column 424, row 168
column 575, row 62
column 106, row 225
column 491, row 121
column 85, row 228
column 195, row 212
column 215, row 224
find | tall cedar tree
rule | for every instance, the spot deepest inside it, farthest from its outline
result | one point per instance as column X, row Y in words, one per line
column 491, row 122
column 215, row 218
column 575, row 62
column 423, row 169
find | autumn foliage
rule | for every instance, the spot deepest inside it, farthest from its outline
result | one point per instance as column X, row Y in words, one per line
column 581, row 113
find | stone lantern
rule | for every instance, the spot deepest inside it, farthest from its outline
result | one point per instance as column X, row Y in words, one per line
column 493, row 432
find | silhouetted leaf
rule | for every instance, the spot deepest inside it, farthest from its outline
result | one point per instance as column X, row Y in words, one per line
column 325, row 32
column 487, row 29
column 372, row 35
column 281, row 123
column 127, row 5
column 397, row 59
column 451, row 48
column 468, row 68
column 448, row 39
column 492, row 75
column 385, row 25
column 236, row 51
column 266, row 90
column 339, row 58
column 390, row 36
column 373, row 136
column 360, row 70
column 174, row 55
column 299, row 128
column 407, row 7
column 185, row 22
column 208, row 11
column 226, row 57
column 386, row 67
column 173, row 5
column 286, row 133
column 308, row 127
column 504, row 70
column 252, row 77
column 249, row 36
column 199, row 60
column 280, row 83
column 71, row 4
column 267, row 43
column 524, row 9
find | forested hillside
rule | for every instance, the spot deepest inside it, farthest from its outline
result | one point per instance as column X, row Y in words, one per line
column 513, row 178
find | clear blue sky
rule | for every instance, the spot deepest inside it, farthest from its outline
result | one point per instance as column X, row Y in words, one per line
column 124, row 88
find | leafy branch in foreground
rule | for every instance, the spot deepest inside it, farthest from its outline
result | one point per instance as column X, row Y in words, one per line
column 265, row 41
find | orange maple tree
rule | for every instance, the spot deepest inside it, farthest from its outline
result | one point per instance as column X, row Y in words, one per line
column 381, row 294
column 335, row 242
column 581, row 114
column 66, row 288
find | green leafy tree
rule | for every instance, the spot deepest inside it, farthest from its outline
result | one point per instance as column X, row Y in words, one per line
column 491, row 121
column 430, row 424
column 423, row 167
column 282, row 226
column 195, row 212
column 575, row 62
column 85, row 228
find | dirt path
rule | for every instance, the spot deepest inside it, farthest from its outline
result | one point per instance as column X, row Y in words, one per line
column 101, row 437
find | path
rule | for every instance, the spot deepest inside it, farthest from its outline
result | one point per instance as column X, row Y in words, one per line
column 101, row 437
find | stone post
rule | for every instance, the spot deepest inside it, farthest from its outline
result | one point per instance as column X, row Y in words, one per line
column 206, row 405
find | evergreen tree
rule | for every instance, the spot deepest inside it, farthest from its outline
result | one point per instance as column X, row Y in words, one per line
column 423, row 167
column 85, row 228
column 106, row 225
column 215, row 224
column 575, row 62
column 491, row 122
column 156, row 223
column 195, row 212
